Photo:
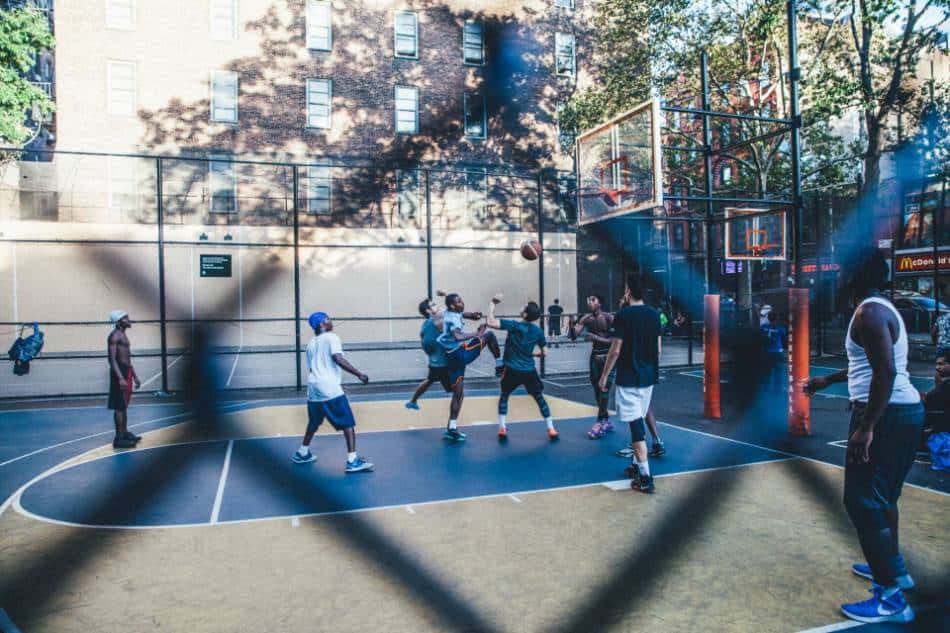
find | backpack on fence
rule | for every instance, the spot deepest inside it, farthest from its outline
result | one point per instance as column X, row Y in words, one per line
column 25, row 349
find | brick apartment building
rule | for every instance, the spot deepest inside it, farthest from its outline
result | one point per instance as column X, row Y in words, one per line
column 359, row 90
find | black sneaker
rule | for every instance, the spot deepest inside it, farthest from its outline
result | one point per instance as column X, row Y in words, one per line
column 644, row 484
column 453, row 435
column 658, row 449
column 122, row 441
column 633, row 472
column 132, row 436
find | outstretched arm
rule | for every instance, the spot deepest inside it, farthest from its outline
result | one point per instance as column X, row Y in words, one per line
column 345, row 364
column 580, row 324
column 492, row 321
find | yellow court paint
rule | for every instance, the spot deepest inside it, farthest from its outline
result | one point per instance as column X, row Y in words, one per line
column 376, row 415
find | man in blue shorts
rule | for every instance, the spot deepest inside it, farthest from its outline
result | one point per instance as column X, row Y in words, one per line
column 519, row 369
column 325, row 397
column 462, row 349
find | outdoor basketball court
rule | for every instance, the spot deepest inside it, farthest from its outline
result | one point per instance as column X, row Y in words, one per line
column 240, row 537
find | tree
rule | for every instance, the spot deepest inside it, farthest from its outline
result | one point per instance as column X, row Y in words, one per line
column 864, row 55
column 24, row 33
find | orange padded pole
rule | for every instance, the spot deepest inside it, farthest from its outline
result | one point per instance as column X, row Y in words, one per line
column 711, row 401
column 799, row 413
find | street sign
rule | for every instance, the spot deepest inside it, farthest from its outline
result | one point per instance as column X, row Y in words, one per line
column 215, row 265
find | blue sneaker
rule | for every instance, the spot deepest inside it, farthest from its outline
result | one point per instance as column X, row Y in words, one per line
column 880, row 609
column 303, row 459
column 905, row 582
column 358, row 465
column 453, row 435
column 412, row 405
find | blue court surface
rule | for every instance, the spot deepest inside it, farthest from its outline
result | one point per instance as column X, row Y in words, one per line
column 222, row 481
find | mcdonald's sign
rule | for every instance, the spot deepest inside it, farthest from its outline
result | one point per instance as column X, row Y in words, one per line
column 921, row 262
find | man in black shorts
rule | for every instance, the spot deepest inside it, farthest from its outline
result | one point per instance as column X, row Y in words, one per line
column 555, row 312
column 598, row 324
column 121, row 378
column 523, row 337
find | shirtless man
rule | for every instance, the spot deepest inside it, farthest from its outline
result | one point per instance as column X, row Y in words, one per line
column 598, row 324
column 121, row 377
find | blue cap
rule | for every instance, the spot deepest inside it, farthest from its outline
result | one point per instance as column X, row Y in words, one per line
column 316, row 319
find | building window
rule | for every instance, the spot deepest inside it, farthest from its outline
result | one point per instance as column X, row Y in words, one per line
column 224, row 96
column 564, row 4
column 319, row 25
column 122, row 183
column 564, row 53
column 223, row 19
column 121, row 78
column 120, row 14
column 726, row 174
column 407, row 34
column 476, row 120
column 319, row 98
column 473, row 43
column 409, row 194
column 222, row 184
column 407, row 110
column 319, row 190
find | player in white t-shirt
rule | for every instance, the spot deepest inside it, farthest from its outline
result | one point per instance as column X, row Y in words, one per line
column 325, row 397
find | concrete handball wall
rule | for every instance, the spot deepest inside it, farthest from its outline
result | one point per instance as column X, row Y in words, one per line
column 375, row 275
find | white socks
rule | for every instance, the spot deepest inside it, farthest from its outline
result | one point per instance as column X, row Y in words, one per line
column 644, row 468
column 351, row 456
column 549, row 422
column 453, row 424
column 502, row 420
column 304, row 449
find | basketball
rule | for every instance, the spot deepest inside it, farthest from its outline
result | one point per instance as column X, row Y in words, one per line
column 531, row 249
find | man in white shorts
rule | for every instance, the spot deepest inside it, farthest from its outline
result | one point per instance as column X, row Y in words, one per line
column 635, row 350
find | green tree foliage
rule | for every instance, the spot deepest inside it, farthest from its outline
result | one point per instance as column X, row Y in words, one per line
column 864, row 56
column 24, row 32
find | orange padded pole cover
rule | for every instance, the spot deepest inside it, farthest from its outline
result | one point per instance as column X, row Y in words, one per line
column 799, row 413
column 711, row 402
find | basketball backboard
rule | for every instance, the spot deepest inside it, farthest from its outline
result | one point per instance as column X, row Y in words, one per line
column 755, row 234
column 618, row 165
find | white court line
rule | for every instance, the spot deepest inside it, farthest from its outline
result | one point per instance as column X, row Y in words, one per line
column 237, row 357
column 807, row 459
column 6, row 624
column 514, row 498
column 839, row 443
column 16, row 497
column 216, row 509
column 110, row 432
column 159, row 374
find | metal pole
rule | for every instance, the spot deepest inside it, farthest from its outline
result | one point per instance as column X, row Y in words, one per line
column 819, row 277
column 541, row 257
column 936, row 236
column 428, row 236
column 794, row 73
column 707, row 168
column 296, row 208
column 161, row 275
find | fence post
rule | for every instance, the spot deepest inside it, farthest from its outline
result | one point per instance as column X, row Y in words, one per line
column 161, row 275
column 296, row 208
column 428, row 236
column 541, row 258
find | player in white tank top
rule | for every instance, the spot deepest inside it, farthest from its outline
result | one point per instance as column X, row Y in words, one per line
column 859, row 368
column 886, row 421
